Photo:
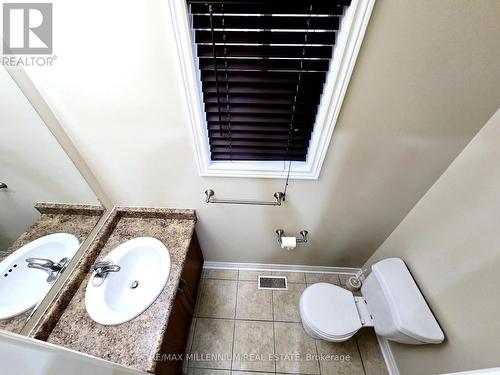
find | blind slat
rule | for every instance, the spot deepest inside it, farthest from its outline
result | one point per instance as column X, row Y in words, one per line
column 257, row 118
column 266, row 142
column 255, row 135
column 254, row 156
column 294, row 52
column 264, row 22
column 265, row 65
column 271, row 99
column 264, row 37
column 247, row 109
column 267, row 7
column 264, row 88
column 274, row 77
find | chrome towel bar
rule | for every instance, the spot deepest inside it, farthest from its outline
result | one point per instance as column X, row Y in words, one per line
column 279, row 196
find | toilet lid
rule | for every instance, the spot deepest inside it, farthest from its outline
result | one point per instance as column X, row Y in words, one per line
column 329, row 310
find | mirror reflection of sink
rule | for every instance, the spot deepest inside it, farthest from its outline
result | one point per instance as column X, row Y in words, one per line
column 22, row 287
column 144, row 266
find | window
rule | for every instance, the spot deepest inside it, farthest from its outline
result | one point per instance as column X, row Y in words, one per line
column 266, row 80
column 262, row 68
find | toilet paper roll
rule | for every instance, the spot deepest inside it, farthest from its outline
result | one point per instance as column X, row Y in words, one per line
column 288, row 243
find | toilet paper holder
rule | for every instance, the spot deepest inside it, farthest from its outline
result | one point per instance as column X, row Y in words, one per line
column 303, row 233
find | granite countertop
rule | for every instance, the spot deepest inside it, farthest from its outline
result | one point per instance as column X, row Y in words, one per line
column 133, row 343
column 78, row 220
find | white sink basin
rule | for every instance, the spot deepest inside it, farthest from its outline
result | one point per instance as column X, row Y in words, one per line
column 21, row 287
column 144, row 269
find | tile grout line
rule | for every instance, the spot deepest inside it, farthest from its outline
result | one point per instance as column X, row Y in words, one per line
column 274, row 332
column 317, row 353
column 192, row 340
column 195, row 319
column 250, row 320
column 360, row 355
column 234, row 320
column 256, row 372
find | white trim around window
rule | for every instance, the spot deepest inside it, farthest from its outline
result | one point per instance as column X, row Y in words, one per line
column 349, row 39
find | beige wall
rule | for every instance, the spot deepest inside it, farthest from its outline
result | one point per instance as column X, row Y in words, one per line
column 450, row 241
column 32, row 164
column 426, row 80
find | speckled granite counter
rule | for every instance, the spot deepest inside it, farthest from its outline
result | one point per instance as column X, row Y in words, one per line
column 78, row 220
column 136, row 342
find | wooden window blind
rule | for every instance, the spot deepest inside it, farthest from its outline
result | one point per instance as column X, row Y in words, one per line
column 263, row 66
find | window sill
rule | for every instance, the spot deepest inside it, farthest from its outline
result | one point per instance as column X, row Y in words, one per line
column 257, row 169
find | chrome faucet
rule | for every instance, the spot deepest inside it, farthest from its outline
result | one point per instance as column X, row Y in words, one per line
column 102, row 269
column 47, row 265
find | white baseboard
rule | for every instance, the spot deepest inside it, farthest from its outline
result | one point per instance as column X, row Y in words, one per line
column 279, row 267
column 489, row 371
column 390, row 362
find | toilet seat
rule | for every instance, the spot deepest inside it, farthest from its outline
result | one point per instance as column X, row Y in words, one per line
column 329, row 311
column 325, row 336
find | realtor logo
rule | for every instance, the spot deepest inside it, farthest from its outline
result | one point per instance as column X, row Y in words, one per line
column 27, row 28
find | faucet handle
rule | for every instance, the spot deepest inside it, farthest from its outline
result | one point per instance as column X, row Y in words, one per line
column 111, row 268
column 47, row 265
column 104, row 266
column 101, row 270
column 39, row 263
column 101, row 264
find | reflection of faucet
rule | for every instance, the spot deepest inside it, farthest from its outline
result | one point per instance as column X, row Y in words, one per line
column 102, row 269
column 53, row 269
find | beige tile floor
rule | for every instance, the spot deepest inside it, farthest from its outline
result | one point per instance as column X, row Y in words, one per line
column 241, row 330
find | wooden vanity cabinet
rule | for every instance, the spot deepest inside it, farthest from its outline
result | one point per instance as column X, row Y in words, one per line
column 191, row 274
column 181, row 315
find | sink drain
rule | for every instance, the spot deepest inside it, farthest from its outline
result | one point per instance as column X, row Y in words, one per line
column 134, row 284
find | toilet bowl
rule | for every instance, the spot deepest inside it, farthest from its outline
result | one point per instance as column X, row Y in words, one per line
column 330, row 312
column 390, row 302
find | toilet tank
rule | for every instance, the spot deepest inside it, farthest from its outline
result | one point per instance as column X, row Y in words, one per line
column 399, row 310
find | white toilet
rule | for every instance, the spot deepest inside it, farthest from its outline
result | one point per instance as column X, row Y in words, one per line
column 391, row 303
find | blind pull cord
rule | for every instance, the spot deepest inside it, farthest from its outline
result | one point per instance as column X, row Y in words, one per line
column 294, row 106
column 210, row 10
column 228, row 112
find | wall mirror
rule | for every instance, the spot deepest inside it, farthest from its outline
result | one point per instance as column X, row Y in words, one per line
column 47, row 209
